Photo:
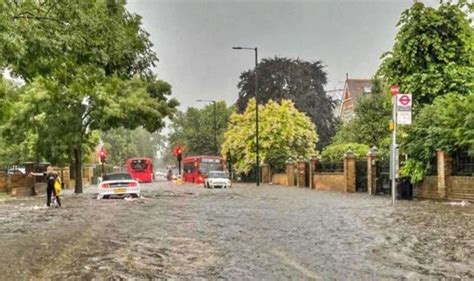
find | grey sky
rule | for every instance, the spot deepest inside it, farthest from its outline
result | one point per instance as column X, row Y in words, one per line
column 193, row 39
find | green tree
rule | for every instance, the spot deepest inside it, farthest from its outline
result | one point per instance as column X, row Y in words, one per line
column 335, row 152
column 300, row 81
column 87, row 67
column 370, row 125
column 433, row 53
column 123, row 144
column 447, row 124
column 194, row 129
column 284, row 133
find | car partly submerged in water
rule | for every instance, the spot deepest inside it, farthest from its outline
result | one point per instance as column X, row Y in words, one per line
column 217, row 179
column 118, row 185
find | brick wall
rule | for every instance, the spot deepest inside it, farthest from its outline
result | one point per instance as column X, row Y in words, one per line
column 4, row 182
column 445, row 185
column 427, row 189
column 281, row 179
column 461, row 188
column 21, row 185
column 329, row 181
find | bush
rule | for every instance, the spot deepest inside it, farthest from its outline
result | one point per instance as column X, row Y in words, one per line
column 336, row 152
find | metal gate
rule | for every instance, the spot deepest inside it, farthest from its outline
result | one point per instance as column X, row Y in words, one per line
column 382, row 183
column 361, row 175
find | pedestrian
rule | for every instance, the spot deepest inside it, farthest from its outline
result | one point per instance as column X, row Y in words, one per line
column 51, row 177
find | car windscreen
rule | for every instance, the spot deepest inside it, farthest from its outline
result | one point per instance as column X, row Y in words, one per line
column 113, row 177
column 214, row 175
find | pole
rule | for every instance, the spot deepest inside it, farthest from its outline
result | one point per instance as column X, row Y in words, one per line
column 215, row 129
column 394, row 149
column 256, row 115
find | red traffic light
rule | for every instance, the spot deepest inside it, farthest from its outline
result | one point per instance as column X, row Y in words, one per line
column 102, row 154
column 178, row 150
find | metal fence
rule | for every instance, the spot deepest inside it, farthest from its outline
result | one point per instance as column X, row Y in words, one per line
column 330, row 167
column 463, row 164
column 433, row 167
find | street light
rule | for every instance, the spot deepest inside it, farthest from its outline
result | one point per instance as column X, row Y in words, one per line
column 256, row 107
column 215, row 123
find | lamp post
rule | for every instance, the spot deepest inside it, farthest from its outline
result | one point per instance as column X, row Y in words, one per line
column 256, row 107
column 215, row 123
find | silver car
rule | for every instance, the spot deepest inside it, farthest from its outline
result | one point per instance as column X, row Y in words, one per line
column 217, row 179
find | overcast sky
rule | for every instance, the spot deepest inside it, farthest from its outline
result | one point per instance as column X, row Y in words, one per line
column 194, row 39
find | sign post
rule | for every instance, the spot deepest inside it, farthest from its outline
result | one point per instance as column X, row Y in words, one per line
column 404, row 102
column 394, row 89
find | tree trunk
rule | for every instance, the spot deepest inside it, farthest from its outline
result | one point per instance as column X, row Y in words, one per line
column 78, row 170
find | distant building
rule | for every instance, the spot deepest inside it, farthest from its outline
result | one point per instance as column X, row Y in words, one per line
column 353, row 90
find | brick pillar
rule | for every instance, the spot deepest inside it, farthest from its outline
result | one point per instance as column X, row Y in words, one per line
column 266, row 173
column 301, row 163
column 312, row 171
column 371, row 170
column 290, row 172
column 349, row 171
column 445, row 169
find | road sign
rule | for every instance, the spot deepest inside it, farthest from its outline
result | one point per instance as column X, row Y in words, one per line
column 394, row 89
column 404, row 102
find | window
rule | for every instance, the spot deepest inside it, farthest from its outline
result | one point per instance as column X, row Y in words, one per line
column 139, row 164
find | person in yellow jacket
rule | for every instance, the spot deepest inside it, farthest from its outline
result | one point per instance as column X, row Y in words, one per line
column 53, row 182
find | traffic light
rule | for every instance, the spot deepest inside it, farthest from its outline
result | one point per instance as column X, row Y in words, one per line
column 179, row 154
column 102, row 155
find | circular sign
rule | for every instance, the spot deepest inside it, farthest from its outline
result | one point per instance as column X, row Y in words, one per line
column 404, row 100
column 394, row 89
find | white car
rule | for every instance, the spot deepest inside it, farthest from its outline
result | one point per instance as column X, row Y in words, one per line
column 217, row 179
column 118, row 185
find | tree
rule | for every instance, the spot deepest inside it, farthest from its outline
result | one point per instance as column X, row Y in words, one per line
column 433, row 58
column 447, row 124
column 300, row 81
column 433, row 53
column 335, row 152
column 370, row 125
column 284, row 133
column 123, row 144
column 194, row 129
column 86, row 65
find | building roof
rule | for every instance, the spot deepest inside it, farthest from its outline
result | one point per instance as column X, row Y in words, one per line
column 359, row 87
column 353, row 90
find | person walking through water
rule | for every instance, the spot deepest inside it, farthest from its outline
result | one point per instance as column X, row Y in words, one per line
column 51, row 176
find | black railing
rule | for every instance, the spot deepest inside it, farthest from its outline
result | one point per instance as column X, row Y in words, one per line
column 329, row 167
column 463, row 164
column 433, row 167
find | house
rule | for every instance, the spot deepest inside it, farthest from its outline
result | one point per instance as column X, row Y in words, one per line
column 354, row 89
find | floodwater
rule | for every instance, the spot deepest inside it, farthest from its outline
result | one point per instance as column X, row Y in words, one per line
column 243, row 233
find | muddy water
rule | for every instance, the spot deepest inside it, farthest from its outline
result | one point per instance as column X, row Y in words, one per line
column 267, row 233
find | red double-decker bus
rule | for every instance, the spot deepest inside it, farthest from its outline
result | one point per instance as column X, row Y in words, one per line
column 195, row 168
column 141, row 169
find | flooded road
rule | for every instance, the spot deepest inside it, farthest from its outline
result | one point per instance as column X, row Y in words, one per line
column 247, row 232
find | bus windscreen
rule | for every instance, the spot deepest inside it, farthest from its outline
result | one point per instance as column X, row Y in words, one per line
column 139, row 165
column 211, row 165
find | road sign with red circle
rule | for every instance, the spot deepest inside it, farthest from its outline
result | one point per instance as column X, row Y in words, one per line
column 404, row 100
column 394, row 89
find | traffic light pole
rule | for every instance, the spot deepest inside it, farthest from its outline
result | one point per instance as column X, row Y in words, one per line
column 103, row 169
